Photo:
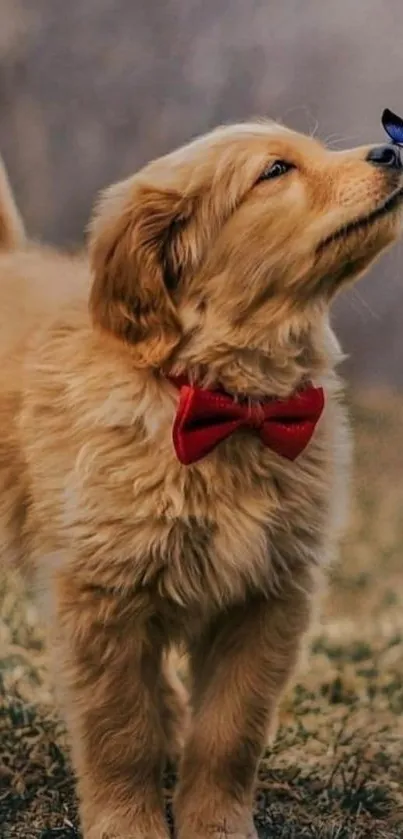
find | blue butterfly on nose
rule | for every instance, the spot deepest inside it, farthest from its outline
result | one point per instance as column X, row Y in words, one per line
column 393, row 126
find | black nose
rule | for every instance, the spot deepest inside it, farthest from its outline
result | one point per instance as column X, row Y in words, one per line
column 388, row 156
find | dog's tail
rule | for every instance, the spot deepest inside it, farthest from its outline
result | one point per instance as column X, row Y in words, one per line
column 12, row 231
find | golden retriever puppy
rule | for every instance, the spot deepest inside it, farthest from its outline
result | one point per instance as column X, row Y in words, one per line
column 173, row 454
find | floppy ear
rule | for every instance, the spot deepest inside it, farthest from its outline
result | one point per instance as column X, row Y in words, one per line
column 132, row 266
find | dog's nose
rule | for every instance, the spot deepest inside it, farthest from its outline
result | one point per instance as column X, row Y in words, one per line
column 387, row 156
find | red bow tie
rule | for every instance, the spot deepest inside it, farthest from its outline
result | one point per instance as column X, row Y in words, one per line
column 206, row 417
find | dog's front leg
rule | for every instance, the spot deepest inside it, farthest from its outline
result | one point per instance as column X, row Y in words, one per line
column 110, row 670
column 239, row 668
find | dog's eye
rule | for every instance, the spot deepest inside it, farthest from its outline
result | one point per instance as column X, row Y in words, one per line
column 279, row 167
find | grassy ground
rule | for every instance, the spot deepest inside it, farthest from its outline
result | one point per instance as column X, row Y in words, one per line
column 336, row 769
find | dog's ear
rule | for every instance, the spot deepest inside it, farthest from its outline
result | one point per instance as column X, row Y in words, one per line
column 133, row 260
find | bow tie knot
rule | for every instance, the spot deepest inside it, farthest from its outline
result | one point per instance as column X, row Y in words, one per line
column 255, row 416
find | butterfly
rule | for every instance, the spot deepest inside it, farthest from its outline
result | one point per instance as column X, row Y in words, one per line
column 393, row 126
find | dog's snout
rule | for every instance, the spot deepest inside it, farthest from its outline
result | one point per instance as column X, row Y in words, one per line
column 386, row 155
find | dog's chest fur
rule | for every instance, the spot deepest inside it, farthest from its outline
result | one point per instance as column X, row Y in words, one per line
column 110, row 497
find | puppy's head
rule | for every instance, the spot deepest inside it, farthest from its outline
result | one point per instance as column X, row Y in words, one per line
column 217, row 242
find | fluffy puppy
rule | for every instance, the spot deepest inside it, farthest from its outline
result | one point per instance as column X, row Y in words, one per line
column 210, row 276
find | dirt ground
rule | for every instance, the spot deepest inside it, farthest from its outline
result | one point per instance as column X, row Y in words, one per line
column 336, row 768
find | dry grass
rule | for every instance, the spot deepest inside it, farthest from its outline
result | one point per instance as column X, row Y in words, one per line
column 336, row 769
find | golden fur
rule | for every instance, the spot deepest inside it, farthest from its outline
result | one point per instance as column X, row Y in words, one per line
column 198, row 267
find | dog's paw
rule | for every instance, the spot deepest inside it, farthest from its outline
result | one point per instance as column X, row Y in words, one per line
column 123, row 833
column 113, row 826
column 225, row 829
column 119, row 832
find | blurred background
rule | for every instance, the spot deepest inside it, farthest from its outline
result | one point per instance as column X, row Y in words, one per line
column 91, row 89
